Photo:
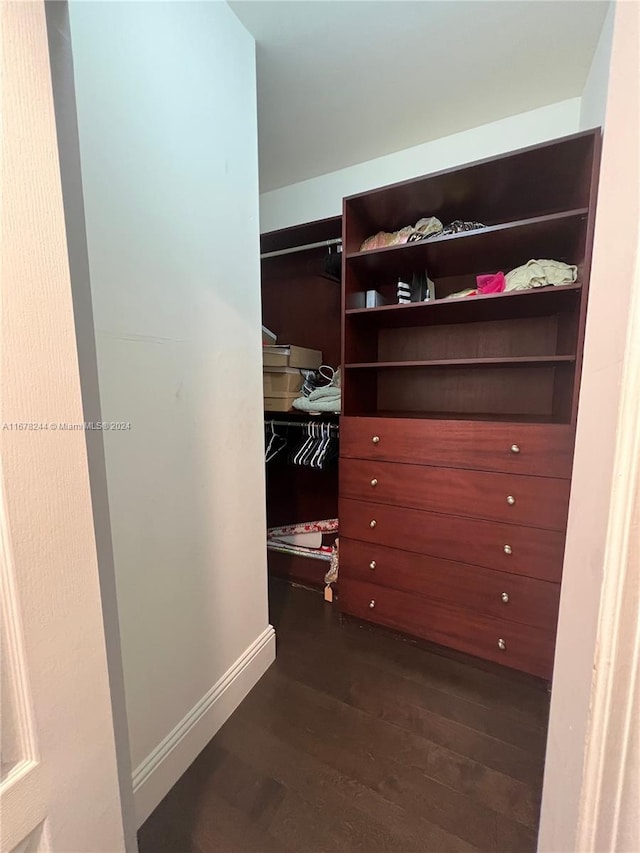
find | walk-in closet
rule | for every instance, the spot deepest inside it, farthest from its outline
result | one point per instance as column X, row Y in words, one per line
column 416, row 568
column 354, row 283
column 462, row 340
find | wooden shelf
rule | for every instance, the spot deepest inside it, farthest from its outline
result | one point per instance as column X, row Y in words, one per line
column 538, row 180
column 502, row 246
column 460, row 416
column 515, row 361
column 539, row 301
column 302, row 417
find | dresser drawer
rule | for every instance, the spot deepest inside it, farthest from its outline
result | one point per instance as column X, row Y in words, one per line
column 522, row 647
column 544, row 450
column 506, row 547
column 511, row 498
column 485, row 591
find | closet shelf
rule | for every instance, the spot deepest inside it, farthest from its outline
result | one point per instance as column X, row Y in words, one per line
column 495, row 247
column 509, row 361
column 489, row 417
column 538, row 302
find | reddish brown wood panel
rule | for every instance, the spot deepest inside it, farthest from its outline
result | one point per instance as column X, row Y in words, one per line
column 468, row 390
column 542, row 449
column 519, row 337
column 522, row 647
column 511, row 548
column 508, row 498
column 529, row 601
column 300, row 304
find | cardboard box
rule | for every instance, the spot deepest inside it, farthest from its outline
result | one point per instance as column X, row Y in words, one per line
column 280, row 404
column 291, row 356
column 278, row 380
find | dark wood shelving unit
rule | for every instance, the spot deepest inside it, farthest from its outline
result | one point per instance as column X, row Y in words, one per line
column 536, row 333
column 301, row 304
column 459, row 413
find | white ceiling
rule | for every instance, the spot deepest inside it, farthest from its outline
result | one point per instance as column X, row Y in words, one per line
column 342, row 82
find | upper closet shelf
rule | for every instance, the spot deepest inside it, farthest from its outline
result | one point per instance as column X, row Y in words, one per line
column 495, row 247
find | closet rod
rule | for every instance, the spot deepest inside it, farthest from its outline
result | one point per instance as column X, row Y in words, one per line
column 299, row 423
column 336, row 242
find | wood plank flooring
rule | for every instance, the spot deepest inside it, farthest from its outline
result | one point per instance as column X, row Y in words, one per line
column 356, row 740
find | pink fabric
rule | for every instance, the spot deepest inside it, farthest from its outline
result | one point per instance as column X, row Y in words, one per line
column 490, row 283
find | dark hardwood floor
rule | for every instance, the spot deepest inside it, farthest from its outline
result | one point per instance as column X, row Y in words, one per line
column 356, row 740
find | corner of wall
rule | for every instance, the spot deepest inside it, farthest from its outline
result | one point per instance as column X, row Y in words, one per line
column 321, row 197
column 157, row 774
column 593, row 103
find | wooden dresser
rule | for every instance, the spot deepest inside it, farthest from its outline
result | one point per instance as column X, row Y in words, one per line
column 459, row 414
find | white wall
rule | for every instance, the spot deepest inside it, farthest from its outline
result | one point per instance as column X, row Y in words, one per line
column 588, row 553
column 54, row 659
column 321, row 197
column 168, row 143
column 594, row 95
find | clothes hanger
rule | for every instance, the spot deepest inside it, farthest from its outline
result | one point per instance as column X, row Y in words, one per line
column 311, row 449
column 269, row 443
column 319, row 448
column 298, row 458
column 333, row 447
column 277, row 443
column 326, row 443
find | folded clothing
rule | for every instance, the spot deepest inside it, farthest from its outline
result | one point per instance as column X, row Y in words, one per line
column 325, row 399
column 427, row 227
column 387, row 238
column 535, row 273
column 323, row 404
column 540, row 273
column 329, row 392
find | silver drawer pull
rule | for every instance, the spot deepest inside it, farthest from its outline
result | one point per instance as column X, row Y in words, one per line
column 501, row 644
column 505, row 597
column 375, row 439
column 374, row 483
column 372, row 604
column 515, row 448
column 372, row 565
column 507, row 549
column 373, row 522
column 511, row 500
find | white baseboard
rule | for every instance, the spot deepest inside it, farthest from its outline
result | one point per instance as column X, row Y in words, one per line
column 160, row 770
